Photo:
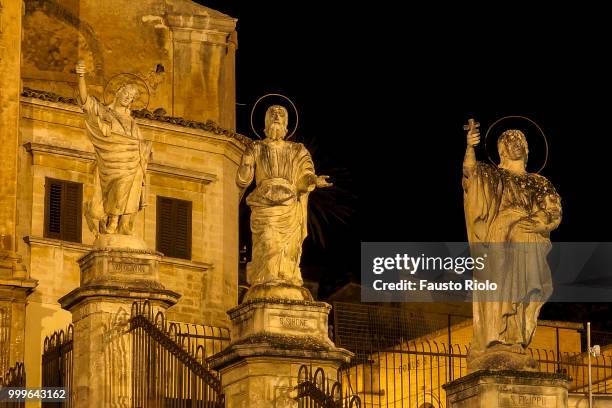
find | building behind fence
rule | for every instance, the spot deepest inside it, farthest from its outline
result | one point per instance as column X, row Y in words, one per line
column 402, row 359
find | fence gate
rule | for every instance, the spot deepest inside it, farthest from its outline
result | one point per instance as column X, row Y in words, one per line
column 57, row 365
column 13, row 377
column 169, row 364
column 316, row 390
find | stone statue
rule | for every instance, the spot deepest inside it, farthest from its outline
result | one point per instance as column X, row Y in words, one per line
column 121, row 159
column 285, row 175
column 509, row 216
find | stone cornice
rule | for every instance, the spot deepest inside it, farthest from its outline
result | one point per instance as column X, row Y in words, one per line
column 214, row 23
column 60, row 151
column 26, row 284
column 85, row 248
column 508, row 376
column 186, row 263
column 41, row 241
column 189, row 175
column 157, row 116
column 153, row 167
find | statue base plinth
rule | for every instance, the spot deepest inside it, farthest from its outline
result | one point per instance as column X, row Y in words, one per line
column 499, row 358
column 111, row 281
column 506, row 389
column 278, row 291
column 126, row 275
column 119, row 241
column 121, row 267
column 271, row 340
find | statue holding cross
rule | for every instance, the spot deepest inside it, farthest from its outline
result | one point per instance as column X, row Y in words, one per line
column 509, row 215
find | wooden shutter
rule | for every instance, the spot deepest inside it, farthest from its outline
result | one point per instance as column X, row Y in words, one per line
column 53, row 209
column 63, row 204
column 164, row 228
column 71, row 212
column 183, row 229
column 174, row 227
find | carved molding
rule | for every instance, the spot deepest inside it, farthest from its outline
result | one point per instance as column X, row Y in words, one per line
column 39, row 148
column 41, row 241
column 90, row 157
column 157, row 116
column 85, row 248
column 189, row 175
column 208, row 25
column 185, row 263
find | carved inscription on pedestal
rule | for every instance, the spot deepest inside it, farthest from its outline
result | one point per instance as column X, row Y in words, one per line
column 292, row 322
column 127, row 268
column 517, row 400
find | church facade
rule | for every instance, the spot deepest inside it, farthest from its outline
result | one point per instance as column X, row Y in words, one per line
column 183, row 56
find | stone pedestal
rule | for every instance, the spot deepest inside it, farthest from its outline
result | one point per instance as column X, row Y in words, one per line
column 508, row 389
column 271, row 339
column 111, row 280
column 15, row 286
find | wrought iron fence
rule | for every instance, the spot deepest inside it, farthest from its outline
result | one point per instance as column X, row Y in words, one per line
column 402, row 358
column 169, row 365
column 363, row 329
column 576, row 365
column 211, row 339
column 316, row 390
column 13, row 377
column 57, row 365
column 406, row 375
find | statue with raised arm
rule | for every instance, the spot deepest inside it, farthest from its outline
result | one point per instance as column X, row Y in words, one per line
column 284, row 174
column 509, row 215
column 121, row 159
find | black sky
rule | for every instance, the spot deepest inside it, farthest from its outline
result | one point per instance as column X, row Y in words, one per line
column 385, row 91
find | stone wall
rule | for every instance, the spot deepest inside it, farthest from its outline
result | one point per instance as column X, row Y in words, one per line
column 10, row 34
column 183, row 51
column 187, row 163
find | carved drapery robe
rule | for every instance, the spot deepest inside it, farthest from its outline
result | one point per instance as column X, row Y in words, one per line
column 495, row 200
column 278, row 205
column 121, row 161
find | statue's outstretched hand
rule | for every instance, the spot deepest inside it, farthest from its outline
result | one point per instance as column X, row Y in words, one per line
column 322, row 182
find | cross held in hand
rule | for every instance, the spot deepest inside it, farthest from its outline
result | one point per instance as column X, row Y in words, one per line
column 471, row 126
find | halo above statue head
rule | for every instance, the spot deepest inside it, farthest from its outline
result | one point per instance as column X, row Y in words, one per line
column 522, row 118
column 297, row 116
column 117, row 81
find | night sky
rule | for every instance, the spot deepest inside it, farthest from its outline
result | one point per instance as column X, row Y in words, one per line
column 383, row 94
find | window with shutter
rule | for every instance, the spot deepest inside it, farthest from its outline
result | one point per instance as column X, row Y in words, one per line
column 174, row 227
column 63, row 204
